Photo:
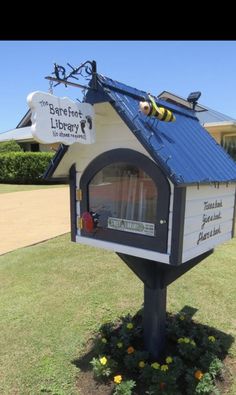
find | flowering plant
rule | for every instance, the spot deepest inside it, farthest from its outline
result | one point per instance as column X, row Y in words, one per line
column 124, row 387
column 102, row 367
column 191, row 364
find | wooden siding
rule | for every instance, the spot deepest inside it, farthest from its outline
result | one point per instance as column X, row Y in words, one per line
column 208, row 218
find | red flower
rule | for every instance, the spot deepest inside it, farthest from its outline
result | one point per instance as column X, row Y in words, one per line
column 162, row 386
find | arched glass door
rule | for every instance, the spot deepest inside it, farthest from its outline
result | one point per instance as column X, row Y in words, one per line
column 128, row 198
column 124, row 197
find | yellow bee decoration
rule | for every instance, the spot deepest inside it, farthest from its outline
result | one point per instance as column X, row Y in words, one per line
column 152, row 110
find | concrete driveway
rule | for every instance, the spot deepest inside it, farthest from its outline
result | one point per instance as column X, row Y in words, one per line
column 30, row 217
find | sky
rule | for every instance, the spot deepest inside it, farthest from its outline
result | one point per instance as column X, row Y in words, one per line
column 153, row 66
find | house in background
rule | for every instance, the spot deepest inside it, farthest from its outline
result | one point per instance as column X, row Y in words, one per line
column 23, row 136
column 220, row 126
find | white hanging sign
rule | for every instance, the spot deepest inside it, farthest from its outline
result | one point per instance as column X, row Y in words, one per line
column 60, row 120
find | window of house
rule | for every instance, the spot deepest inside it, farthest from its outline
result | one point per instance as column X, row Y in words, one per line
column 35, row 147
column 228, row 142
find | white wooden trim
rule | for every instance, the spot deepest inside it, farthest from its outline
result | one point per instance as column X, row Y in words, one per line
column 148, row 254
column 170, row 217
column 209, row 191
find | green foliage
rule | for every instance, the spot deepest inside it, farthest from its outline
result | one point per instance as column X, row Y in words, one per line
column 24, row 167
column 124, row 388
column 205, row 385
column 215, row 367
column 200, row 385
column 132, row 361
column 10, row 146
column 162, row 379
column 103, row 367
column 193, row 363
column 164, row 388
column 188, row 348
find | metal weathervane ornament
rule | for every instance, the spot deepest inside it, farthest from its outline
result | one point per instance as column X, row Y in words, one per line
column 86, row 70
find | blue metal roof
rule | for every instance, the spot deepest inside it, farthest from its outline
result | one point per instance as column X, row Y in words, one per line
column 183, row 149
column 202, row 112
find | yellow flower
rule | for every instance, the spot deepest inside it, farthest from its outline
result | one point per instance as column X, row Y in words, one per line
column 186, row 340
column 181, row 340
column 103, row 361
column 119, row 344
column 211, row 339
column 129, row 325
column 141, row 364
column 164, row 368
column 155, row 365
column 198, row 374
column 169, row 360
column 104, row 340
column 130, row 350
column 118, row 379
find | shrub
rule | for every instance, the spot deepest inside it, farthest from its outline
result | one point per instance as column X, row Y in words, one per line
column 10, row 146
column 24, row 167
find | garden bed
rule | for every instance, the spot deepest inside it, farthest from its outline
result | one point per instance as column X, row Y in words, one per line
column 193, row 363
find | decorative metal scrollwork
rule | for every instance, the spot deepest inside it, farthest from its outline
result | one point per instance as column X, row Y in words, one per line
column 86, row 70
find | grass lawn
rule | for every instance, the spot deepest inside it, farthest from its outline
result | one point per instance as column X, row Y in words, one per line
column 7, row 188
column 55, row 295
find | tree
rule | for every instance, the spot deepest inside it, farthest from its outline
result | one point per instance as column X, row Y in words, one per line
column 9, row 146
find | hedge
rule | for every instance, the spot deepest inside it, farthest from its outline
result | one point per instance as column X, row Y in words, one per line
column 24, row 167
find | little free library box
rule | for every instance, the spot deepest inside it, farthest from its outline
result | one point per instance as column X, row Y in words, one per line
column 160, row 194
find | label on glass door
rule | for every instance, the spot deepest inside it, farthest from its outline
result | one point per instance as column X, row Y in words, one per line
column 126, row 225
